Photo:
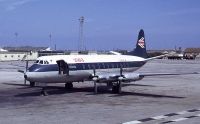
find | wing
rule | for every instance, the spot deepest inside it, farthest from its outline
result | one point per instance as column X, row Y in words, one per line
column 105, row 77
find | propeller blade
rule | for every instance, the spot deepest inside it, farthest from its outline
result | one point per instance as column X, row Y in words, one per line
column 121, row 71
column 21, row 71
column 26, row 66
column 94, row 71
column 24, row 81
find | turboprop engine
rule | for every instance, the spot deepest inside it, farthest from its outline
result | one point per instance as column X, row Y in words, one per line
column 131, row 77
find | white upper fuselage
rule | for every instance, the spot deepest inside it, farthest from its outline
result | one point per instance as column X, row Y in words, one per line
column 71, row 59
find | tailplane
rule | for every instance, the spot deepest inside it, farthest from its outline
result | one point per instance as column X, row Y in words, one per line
column 140, row 49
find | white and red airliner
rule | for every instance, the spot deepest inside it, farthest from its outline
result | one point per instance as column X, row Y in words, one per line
column 111, row 69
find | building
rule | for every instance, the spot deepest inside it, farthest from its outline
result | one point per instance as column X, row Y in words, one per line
column 20, row 53
column 192, row 53
column 14, row 56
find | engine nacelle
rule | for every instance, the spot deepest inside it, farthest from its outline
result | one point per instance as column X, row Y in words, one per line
column 132, row 77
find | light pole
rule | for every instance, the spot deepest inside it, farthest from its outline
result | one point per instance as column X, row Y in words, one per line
column 81, row 44
column 16, row 38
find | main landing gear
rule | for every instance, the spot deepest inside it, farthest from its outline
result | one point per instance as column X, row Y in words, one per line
column 32, row 84
column 116, row 88
column 44, row 92
column 69, row 85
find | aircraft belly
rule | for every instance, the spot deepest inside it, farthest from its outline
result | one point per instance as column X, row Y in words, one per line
column 54, row 77
column 74, row 76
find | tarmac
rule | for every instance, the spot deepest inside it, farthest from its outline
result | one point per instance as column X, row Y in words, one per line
column 153, row 100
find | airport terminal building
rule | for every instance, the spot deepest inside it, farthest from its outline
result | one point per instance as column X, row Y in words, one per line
column 19, row 53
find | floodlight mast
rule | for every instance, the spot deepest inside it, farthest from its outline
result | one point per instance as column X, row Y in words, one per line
column 81, row 42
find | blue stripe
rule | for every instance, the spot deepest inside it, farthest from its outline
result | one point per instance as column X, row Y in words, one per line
column 86, row 66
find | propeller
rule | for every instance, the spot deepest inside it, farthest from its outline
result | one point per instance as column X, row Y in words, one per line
column 94, row 75
column 95, row 78
column 121, row 75
column 24, row 72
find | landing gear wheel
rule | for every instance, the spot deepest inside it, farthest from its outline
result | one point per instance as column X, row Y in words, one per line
column 32, row 84
column 43, row 92
column 68, row 85
column 115, row 88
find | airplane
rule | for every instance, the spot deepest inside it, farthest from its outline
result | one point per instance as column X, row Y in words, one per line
column 112, row 69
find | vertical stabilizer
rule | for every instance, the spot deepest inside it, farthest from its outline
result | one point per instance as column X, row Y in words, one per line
column 140, row 49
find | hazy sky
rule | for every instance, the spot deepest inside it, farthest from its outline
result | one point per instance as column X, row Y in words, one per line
column 109, row 24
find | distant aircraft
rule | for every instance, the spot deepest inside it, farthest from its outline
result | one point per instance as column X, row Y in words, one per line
column 111, row 69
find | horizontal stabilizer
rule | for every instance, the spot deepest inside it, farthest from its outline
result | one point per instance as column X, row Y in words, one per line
column 156, row 57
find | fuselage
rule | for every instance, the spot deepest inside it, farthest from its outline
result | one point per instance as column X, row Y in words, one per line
column 81, row 67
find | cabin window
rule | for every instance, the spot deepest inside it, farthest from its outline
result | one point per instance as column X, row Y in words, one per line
column 113, row 65
column 37, row 61
column 46, row 62
column 93, row 66
column 117, row 65
column 98, row 66
column 102, row 65
column 83, row 66
column 88, row 66
column 108, row 65
column 128, row 65
column 123, row 65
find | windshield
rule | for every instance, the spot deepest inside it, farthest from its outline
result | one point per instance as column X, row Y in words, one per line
column 41, row 62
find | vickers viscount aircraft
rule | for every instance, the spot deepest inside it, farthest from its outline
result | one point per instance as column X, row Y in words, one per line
column 111, row 69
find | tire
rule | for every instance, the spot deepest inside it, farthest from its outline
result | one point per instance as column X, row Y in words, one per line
column 115, row 88
column 32, row 84
column 68, row 85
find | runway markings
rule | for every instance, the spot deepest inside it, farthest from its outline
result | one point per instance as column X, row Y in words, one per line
column 166, row 116
column 181, row 119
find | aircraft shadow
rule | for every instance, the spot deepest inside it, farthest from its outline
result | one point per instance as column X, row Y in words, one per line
column 142, row 85
column 56, row 90
column 146, row 95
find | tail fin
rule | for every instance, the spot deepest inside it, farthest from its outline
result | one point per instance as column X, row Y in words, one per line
column 140, row 49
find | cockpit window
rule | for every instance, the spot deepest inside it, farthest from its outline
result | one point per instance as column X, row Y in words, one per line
column 45, row 62
column 37, row 61
column 41, row 61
